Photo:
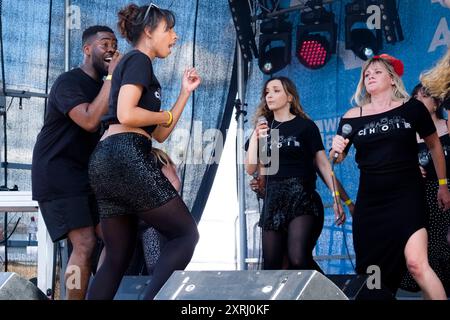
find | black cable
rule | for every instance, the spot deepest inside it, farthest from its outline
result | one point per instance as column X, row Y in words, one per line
column 48, row 54
column 336, row 198
column 2, row 63
column 338, row 45
column 194, row 40
column 1, row 50
column 346, row 247
column 7, row 237
column 10, row 103
column 5, row 148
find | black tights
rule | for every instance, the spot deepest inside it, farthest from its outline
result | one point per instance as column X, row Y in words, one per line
column 172, row 220
column 448, row 236
column 297, row 243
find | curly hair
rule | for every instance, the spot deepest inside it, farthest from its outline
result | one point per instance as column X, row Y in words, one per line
column 290, row 89
column 133, row 20
column 362, row 97
column 437, row 79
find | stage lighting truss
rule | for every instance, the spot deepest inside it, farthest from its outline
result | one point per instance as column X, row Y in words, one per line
column 316, row 37
column 390, row 21
column 241, row 14
column 275, row 43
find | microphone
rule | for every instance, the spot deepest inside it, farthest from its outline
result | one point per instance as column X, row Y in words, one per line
column 262, row 120
column 346, row 130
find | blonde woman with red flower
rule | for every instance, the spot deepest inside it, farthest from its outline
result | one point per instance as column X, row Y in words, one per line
column 389, row 219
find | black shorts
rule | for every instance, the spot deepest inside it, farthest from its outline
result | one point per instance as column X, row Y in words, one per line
column 64, row 215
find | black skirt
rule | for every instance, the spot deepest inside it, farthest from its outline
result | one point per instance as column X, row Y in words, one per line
column 286, row 199
column 125, row 176
column 389, row 208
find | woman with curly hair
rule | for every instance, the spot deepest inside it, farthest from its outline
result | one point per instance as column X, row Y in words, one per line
column 437, row 80
column 127, row 182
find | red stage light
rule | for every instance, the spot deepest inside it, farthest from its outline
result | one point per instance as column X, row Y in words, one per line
column 313, row 51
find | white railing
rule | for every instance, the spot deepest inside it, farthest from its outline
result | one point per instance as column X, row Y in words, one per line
column 20, row 201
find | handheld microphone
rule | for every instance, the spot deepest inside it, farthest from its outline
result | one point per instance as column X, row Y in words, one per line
column 346, row 130
column 262, row 120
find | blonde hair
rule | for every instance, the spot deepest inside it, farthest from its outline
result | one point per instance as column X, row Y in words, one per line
column 162, row 157
column 362, row 97
column 290, row 89
column 437, row 80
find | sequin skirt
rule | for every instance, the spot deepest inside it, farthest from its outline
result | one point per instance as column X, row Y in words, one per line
column 125, row 178
column 286, row 199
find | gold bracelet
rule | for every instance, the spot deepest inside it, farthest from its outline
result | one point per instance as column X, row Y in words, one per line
column 108, row 77
column 169, row 123
column 348, row 202
column 442, row 182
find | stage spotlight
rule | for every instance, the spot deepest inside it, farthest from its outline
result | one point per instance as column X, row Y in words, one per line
column 316, row 37
column 314, row 51
column 274, row 45
column 387, row 22
column 364, row 42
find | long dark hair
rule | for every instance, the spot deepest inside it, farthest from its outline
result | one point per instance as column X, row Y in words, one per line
column 133, row 20
column 290, row 89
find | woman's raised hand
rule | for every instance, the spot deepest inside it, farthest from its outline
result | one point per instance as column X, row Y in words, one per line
column 191, row 80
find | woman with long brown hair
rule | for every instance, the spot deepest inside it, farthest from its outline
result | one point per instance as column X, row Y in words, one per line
column 293, row 214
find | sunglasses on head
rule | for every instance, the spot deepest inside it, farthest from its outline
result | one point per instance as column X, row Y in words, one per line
column 150, row 6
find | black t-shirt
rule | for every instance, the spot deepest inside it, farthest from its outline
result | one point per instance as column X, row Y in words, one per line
column 386, row 142
column 62, row 150
column 426, row 161
column 134, row 68
column 298, row 142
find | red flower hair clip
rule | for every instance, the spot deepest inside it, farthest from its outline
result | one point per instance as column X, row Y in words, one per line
column 397, row 64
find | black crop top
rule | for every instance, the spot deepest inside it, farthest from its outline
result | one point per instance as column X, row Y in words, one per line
column 134, row 68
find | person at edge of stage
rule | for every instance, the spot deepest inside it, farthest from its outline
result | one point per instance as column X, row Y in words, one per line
column 77, row 101
column 438, row 221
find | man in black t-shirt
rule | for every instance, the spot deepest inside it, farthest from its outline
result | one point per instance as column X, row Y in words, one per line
column 77, row 101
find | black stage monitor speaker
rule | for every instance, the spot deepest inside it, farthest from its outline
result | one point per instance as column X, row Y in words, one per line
column 14, row 287
column 132, row 287
column 355, row 287
column 249, row 285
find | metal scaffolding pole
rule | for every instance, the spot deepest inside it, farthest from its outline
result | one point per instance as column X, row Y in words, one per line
column 240, row 105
